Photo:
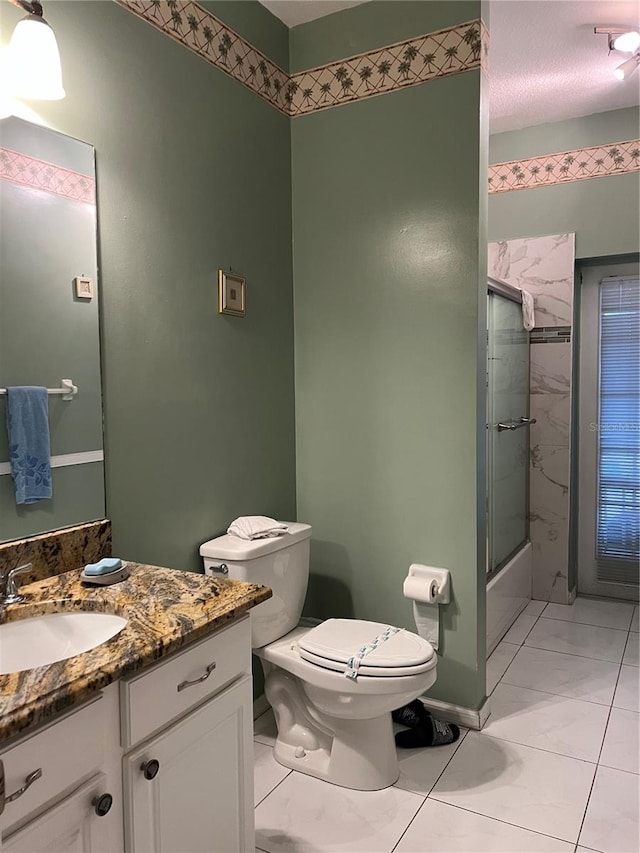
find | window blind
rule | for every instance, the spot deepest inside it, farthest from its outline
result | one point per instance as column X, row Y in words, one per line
column 618, row 511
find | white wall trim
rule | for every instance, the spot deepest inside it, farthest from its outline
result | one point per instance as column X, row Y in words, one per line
column 65, row 460
column 470, row 718
column 467, row 717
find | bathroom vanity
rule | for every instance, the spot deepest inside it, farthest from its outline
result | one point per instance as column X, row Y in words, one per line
column 143, row 743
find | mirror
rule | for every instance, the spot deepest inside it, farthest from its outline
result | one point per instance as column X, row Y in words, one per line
column 49, row 323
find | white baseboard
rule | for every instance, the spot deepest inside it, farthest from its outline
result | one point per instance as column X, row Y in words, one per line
column 467, row 717
column 260, row 705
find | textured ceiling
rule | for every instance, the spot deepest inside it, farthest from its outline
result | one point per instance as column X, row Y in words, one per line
column 294, row 12
column 546, row 63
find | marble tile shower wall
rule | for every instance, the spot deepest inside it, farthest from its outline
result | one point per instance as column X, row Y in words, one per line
column 545, row 267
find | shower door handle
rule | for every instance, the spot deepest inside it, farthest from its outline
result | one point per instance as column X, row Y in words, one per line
column 523, row 422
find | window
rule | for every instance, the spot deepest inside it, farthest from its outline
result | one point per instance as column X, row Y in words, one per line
column 618, row 448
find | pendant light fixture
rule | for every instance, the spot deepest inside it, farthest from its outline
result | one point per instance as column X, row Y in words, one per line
column 33, row 61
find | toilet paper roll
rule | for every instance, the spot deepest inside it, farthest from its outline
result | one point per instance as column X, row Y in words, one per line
column 427, row 619
column 421, row 590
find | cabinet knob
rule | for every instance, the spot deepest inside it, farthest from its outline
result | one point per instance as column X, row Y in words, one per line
column 102, row 804
column 150, row 768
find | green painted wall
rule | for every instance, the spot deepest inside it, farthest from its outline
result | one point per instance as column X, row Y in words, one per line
column 603, row 212
column 390, row 294
column 193, row 174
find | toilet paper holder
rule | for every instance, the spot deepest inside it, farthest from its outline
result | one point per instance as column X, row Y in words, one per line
column 426, row 576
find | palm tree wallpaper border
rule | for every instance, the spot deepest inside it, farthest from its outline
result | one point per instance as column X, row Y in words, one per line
column 464, row 47
column 378, row 72
column 614, row 158
column 45, row 176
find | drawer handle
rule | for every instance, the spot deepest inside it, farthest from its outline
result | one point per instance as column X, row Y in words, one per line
column 184, row 684
column 28, row 782
column 150, row 769
column 102, row 805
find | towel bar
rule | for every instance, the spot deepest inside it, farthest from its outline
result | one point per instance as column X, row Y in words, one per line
column 67, row 389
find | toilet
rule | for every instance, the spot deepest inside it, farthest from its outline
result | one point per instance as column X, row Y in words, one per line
column 333, row 686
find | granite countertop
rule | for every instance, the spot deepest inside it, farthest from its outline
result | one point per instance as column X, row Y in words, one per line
column 166, row 609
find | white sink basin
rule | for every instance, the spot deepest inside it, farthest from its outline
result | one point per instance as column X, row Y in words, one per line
column 41, row 640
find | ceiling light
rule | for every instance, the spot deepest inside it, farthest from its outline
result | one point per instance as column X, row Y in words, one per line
column 626, row 42
column 33, row 59
column 627, row 68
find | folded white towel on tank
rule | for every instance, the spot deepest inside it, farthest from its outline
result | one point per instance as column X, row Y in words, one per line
column 256, row 527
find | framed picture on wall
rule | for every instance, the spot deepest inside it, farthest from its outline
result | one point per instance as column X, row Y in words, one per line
column 231, row 294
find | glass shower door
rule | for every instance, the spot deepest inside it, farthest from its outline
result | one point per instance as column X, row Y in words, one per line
column 507, row 429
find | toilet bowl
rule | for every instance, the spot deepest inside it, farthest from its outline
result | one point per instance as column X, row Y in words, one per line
column 332, row 687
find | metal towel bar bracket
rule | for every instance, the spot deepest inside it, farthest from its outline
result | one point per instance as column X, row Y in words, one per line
column 523, row 422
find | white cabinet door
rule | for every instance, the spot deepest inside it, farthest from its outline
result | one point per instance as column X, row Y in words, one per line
column 72, row 826
column 201, row 798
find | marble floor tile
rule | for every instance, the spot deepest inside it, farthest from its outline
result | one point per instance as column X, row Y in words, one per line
column 590, row 611
column 305, row 815
column 265, row 729
column 440, row 828
column 575, row 638
column 534, row 608
column 632, row 651
column 520, row 628
column 564, row 675
column 611, row 821
column 627, row 692
column 555, row 723
column 621, row 748
column 420, row 768
column 267, row 773
column 498, row 662
column 634, row 620
column 530, row 788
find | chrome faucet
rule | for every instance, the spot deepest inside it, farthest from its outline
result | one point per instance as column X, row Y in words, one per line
column 8, row 589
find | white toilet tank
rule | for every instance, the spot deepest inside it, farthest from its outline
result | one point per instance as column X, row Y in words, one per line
column 281, row 563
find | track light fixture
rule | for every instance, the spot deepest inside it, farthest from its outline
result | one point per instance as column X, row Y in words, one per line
column 624, row 41
column 622, row 72
column 33, row 58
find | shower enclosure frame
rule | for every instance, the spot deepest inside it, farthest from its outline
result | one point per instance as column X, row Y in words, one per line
column 509, row 584
column 513, row 294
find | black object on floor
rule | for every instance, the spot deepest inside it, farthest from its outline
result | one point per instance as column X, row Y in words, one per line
column 413, row 715
column 430, row 733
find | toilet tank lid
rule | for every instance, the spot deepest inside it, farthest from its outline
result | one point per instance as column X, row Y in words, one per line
column 239, row 550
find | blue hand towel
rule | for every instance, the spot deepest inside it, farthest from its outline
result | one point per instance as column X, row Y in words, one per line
column 29, row 447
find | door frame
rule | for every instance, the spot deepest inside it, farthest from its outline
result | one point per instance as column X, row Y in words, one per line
column 588, row 405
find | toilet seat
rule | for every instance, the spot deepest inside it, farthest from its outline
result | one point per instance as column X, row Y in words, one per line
column 334, row 643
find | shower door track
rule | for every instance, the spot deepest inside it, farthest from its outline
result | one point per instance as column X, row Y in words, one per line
column 504, row 289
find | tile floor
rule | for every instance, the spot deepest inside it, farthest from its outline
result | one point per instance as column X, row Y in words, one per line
column 555, row 769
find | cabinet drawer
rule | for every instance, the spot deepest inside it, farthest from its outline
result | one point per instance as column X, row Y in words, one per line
column 68, row 751
column 155, row 697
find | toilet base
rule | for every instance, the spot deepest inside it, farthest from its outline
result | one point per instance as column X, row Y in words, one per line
column 358, row 754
